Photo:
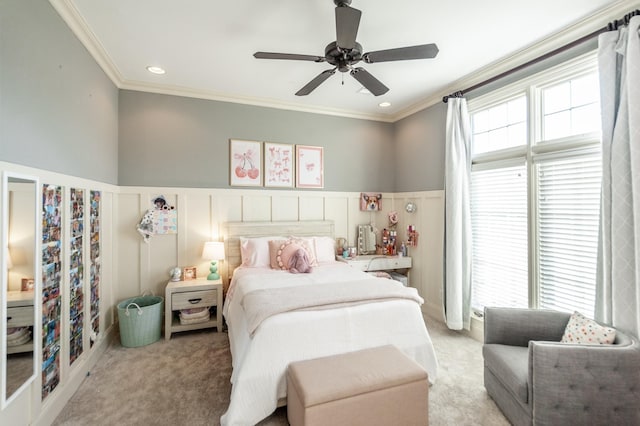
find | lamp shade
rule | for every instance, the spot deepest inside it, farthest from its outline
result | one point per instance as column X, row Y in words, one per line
column 213, row 250
column 9, row 262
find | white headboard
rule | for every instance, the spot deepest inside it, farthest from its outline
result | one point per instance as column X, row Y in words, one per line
column 232, row 231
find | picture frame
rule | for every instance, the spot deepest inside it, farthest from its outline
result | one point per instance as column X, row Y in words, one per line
column 245, row 163
column 27, row 284
column 189, row 273
column 309, row 166
column 370, row 201
column 279, row 164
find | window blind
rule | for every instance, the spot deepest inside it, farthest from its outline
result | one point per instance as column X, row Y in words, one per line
column 499, row 226
column 567, row 224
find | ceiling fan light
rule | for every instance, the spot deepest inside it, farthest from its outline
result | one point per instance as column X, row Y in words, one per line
column 155, row 70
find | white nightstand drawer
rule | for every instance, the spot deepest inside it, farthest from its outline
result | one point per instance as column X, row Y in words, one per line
column 20, row 317
column 194, row 299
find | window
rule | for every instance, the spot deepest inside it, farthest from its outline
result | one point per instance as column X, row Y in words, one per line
column 535, row 191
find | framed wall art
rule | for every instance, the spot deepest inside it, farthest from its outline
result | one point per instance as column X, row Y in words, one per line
column 278, row 165
column 245, row 163
column 309, row 166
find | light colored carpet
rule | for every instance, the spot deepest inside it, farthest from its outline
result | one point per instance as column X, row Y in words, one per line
column 186, row 382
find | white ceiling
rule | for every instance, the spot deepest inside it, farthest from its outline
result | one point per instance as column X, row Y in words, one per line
column 207, row 46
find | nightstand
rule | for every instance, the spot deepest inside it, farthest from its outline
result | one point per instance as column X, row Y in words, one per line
column 190, row 294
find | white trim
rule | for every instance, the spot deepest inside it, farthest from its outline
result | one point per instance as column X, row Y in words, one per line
column 555, row 41
column 72, row 17
column 579, row 65
column 78, row 26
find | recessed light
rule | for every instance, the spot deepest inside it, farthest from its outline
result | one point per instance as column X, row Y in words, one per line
column 384, row 104
column 155, row 70
column 364, row 91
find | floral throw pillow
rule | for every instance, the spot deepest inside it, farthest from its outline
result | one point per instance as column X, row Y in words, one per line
column 583, row 330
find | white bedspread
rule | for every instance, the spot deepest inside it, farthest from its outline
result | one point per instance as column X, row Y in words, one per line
column 260, row 362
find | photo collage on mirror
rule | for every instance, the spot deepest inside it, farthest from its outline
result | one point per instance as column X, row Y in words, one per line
column 51, row 282
column 76, row 274
column 94, row 255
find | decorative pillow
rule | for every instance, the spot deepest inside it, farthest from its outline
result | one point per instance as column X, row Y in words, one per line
column 325, row 249
column 281, row 252
column 583, row 330
column 255, row 251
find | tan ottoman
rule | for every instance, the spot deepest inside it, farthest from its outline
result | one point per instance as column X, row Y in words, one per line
column 377, row 386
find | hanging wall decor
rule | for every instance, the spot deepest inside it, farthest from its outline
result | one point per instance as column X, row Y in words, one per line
column 278, row 165
column 245, row 163
column 160, row 219
column 94, row 259
column 76, row 274
column 370, row 202
column 309, row 166
column 51, row 284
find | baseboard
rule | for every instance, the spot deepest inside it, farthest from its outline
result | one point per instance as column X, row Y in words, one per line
column 433, row 311
column 57, row 400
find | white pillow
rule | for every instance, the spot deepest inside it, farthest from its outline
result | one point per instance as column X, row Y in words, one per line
column 583, row 330
column 325, row 249
column 255, row 251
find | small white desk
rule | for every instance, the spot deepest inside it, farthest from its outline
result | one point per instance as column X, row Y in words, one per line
column 378, row 262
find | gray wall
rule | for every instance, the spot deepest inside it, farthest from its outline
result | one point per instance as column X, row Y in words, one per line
column 420, row 143
column 184, row 142
column 58, row 110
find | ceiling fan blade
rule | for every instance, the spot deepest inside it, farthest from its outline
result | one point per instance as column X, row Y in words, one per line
column 291, row 56
column 347, row 23
column 423, row 51
column 311, row 86
column 370, row 82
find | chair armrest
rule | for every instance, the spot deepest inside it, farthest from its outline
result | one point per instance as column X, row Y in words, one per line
column 516, row 327
column 584, row 384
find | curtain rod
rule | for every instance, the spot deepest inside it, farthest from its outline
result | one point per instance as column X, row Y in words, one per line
column 612, row 26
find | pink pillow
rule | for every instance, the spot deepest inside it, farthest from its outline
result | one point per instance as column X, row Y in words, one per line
column 281, row 251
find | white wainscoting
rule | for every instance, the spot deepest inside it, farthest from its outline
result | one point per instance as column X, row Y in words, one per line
column 28, row 407
column 144, row 267
column 130, row 266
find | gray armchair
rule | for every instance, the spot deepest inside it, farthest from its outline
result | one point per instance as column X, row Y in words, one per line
column 536, row 380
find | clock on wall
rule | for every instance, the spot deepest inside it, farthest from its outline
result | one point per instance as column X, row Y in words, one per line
column 410, row 207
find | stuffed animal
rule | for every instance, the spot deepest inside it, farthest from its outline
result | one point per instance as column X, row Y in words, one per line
column 299, row 263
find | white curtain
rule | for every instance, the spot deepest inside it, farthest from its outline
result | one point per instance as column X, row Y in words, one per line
column 618, row 279
column 457, row 292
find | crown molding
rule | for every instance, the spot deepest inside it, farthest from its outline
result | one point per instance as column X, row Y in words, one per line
column 74, row 20
column 573, row 32
column 268, row 103
column 79, row 27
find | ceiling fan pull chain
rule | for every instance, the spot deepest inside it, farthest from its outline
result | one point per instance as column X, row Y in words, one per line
column 342, row 75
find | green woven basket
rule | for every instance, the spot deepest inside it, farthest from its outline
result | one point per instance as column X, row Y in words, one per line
column 140, row 320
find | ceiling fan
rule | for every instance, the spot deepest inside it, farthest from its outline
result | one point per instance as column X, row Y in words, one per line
column 345, row 52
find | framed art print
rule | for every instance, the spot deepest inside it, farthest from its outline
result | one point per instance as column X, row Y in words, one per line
column 245, row 163
column 309, row 166
column 278, row 165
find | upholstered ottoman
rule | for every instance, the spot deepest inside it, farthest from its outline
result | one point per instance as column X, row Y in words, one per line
column 377, row 386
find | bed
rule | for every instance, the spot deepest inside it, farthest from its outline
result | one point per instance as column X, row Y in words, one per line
column 271, row 324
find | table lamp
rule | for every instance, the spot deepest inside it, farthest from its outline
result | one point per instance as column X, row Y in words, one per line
column 213, row 251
